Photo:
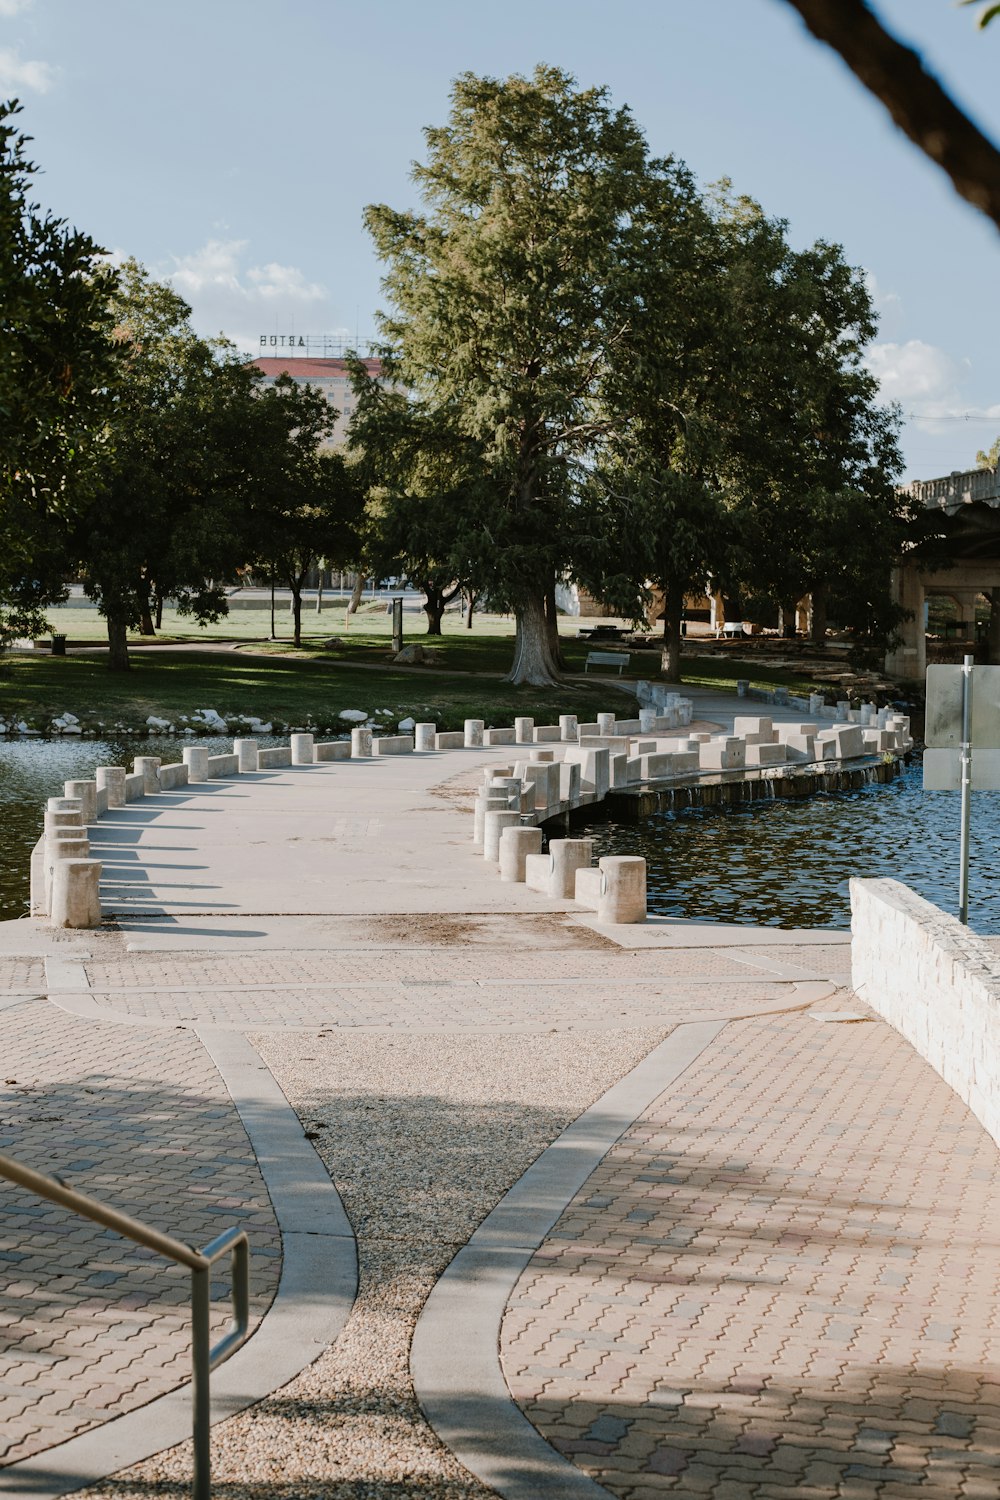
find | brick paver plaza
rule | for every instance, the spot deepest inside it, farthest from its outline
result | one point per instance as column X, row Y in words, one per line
column 783, row 1280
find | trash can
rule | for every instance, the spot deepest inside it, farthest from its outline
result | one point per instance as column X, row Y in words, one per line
column 58, row 645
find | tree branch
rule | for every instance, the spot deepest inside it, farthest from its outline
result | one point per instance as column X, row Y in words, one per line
column 916, row 101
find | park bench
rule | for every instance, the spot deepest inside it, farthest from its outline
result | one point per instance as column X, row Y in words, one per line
column 617, row 659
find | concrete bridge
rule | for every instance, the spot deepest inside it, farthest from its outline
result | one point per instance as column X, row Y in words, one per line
column 960, row 558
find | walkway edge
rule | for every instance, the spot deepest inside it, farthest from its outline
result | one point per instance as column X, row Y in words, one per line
column 455, row 1356
column 315, row 1294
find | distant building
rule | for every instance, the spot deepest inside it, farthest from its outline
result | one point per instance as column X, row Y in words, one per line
column 330, row 376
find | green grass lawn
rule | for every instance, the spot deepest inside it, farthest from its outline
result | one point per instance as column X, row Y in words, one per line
column 286, row 689
column 340, row 665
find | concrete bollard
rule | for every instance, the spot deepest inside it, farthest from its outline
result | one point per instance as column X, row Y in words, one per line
column 76, row 900
column 361, row 743
column 303, row 749
column 247, row 753
column 568, row 728
column 623, row 889
column 148, row 767
column 816, row 704
column 423, row 736
column 63, row 820
column 647, row 719
column 843, row 710
column 524, row 730
column 486, row 802
column 515, row 846
column 568, row 856
column 85, row 792
column 493, row 827
column 196, row 760
column 70, row 843
column 527, row 798
column 65, row 804
column 605, row 723
column 111, row 779
column 474, row 733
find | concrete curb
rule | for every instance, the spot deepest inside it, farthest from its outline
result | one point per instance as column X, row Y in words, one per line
column 314, row 1298
column 455, row 1357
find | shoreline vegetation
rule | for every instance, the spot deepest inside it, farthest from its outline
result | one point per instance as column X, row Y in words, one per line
column 339, row 669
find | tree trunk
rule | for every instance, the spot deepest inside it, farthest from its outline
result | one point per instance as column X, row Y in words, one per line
column 145, row 614
column 118, row 643
column 819, row 598
column 434, row 603
column 788, row 612
column 297, row 613
column 673, row 608
column 356, row 593
column 159, row 610
column 534, row 662
column 552, row 620
column 470, row 610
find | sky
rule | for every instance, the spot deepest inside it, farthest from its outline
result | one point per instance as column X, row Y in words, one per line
column 232, row 145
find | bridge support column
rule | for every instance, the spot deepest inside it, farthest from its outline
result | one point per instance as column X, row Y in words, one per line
column 908, row 660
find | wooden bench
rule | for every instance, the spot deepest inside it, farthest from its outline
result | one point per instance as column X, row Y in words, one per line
column 617, row 659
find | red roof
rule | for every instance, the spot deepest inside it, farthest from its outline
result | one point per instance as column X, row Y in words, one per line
column 316, row 369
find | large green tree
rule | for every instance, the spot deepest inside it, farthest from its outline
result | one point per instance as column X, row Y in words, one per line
column 306, row 501
column 171, row 472
column 55, row 365
column 506, row 308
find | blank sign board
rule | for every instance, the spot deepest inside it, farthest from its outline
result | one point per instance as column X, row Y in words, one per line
column 943, row 771
column 943, row 722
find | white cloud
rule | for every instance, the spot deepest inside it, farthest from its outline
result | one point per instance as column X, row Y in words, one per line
column 16, row 73
column 11, row 8
column 925, row 380
column 888, row 305
column 246, row 302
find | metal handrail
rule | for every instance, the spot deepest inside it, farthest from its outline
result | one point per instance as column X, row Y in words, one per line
column 204, row 1358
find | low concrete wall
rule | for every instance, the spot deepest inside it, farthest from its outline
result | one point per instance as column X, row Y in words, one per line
column 223, row 765
column 334, row 750
column 392, row 744
column 280, row 755
column 936, row 982
column 173, row 776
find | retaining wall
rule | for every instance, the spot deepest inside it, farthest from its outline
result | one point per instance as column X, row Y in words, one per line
column 936, row 982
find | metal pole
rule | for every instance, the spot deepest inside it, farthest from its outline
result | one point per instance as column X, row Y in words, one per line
column 966, row 764
column 201, row 1415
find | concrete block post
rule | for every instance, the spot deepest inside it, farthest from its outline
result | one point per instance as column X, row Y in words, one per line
column 527, row 796
column 39, row 905
column 196, row 760
column 64, row 820
column 493, row 827
column 524, row 731
column 76, row 900
column 65, row 804
column 361, row 743
column 71, row 843
column 568, row 856
column 247, row 753
column 474, row 733
column 303, row 749
column 623, row 889
column 843, row 709
column 605, row 723
column 544, row 775
column 569, row 782
column 515, row 846
column 647, row 719
column 111, row 779
column 148, row 767
column 568, row 728
column 487, row 802
column 816, row 703
column 423, row 736
column 84, row 792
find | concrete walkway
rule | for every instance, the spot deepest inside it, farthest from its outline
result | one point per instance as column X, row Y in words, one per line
column 761, row 1261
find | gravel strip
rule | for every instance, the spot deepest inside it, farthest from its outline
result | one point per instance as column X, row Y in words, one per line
column 422, row 1135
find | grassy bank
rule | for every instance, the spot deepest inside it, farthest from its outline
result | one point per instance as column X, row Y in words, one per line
column 287, row 690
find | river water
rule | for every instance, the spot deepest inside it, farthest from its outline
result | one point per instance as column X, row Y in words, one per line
column 782, row 864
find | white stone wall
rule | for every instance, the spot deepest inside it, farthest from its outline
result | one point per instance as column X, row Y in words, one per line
column 936, row 982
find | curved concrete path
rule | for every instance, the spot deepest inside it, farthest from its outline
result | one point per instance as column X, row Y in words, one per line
column 354, row 962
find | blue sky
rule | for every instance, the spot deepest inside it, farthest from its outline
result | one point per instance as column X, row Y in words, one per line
column 231, row 145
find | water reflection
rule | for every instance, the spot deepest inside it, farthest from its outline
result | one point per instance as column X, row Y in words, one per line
column 787, row 864
column 32, row 770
